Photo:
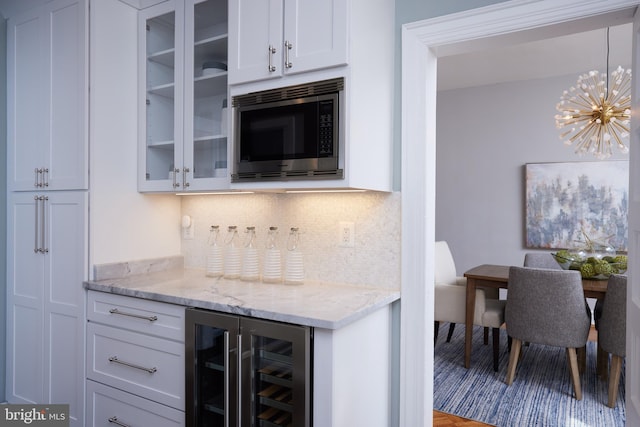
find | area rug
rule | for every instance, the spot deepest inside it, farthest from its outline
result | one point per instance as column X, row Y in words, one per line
column 541, row 393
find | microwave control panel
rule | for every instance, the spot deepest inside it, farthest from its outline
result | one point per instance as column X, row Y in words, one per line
column 325, row 123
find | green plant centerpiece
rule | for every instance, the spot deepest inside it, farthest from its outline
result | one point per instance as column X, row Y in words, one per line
column 595, row 260
column 592, row 265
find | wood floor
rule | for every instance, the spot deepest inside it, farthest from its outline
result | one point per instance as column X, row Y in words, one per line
column 440, row 419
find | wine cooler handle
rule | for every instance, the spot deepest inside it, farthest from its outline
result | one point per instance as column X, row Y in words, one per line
column 226, row 378
column 239, row 379
column 115, row 421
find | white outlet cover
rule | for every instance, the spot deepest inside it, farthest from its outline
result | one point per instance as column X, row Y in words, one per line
column 346, row 234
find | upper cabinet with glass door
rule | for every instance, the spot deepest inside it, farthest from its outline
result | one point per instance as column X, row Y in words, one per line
column 183, row 83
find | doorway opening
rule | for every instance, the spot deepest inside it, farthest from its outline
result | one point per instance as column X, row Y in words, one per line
column 423, row 42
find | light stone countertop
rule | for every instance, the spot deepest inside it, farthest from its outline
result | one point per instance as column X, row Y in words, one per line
column 322, row 305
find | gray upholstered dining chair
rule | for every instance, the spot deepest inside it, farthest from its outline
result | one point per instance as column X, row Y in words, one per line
column 541, row 260
column 450, row 301
column 612, row 330
column 547, row 307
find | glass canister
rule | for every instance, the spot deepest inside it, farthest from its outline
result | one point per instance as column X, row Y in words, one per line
column 250, row 265
column 294, row 266
column 232, row 254
column 272, row 271
column 215, row 266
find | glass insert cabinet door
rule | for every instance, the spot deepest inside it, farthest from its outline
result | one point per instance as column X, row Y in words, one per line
column 267, row 383
column 183, row 49
column 206, row 90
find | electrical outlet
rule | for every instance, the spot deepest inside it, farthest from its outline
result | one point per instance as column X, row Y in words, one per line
column 188, row 232
column 346, row 234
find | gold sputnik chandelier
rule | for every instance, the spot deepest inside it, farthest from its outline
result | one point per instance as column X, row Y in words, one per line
column 595, row 116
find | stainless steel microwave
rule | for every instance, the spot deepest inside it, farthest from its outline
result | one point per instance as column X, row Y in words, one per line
column 288, row 133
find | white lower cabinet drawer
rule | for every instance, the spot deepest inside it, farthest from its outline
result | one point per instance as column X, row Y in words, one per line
column 109, row 407
column 160, row 319
column 146, row 366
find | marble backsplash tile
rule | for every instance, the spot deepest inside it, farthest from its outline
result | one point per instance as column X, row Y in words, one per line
column 373, row 261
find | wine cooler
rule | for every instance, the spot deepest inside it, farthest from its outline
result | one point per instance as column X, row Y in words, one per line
column 246, row 372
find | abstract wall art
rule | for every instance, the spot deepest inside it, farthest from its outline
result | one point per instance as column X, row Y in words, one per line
column 565, row 201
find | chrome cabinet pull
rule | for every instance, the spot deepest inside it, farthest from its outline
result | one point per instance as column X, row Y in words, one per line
column 43, row 229
column 36, row 248
column 115, row 421
column 288, row 46
column 185, row 183
column 176, row 171
column 138, row 316
column 115, row 359
column 40, row 225
column 272, row 51
column 42, row 177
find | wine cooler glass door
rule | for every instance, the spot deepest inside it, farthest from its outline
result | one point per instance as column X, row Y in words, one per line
column 276, row 370
column 211, row 369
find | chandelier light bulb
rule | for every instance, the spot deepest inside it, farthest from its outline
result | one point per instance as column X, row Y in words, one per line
column 596, row 117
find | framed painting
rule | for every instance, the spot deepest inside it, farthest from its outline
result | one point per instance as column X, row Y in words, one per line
column 566, row 201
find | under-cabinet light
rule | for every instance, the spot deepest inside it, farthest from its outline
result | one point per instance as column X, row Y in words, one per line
column 325, row 191
column 214, row 192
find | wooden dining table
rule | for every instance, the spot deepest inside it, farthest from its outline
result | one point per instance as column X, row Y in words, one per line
column 497, row 276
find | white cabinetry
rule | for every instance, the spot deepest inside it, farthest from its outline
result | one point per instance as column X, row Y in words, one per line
column 349, row 39
column 46, row 266
column 353, row 384
column 47, row 149
column 135, row 411
column 135, row 361
column 47, row 97
column 272, row 38
column 183, row 95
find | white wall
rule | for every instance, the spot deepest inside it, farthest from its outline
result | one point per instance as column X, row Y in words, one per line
column 485, row 136
column 124, row 224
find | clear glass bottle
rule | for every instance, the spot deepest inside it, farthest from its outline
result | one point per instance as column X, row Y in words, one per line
column 232, row 254
column 272, row 271
column 215, row 266
column 294, row 266
column 250, row 264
